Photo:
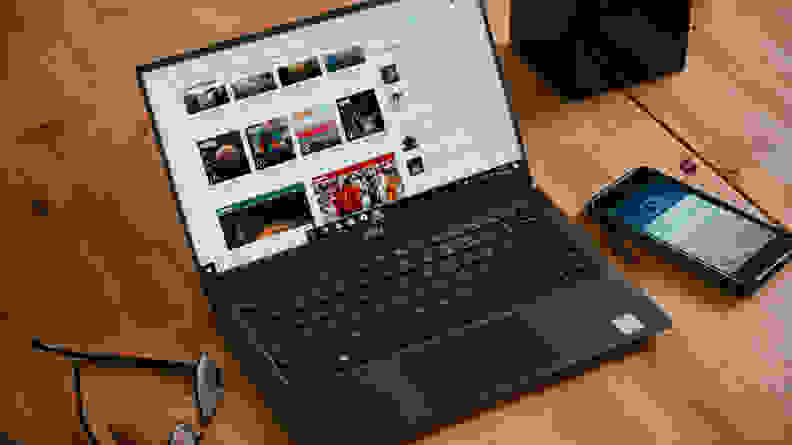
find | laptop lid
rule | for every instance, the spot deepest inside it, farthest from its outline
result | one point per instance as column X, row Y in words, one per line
column 270, row 135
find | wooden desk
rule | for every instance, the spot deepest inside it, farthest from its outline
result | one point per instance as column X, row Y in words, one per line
column 116, row 275
column 733, row 103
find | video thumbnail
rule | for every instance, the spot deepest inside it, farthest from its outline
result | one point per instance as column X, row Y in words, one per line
column 357, row 187
column 299, row 72
column 224, row 157
column 344, row 59
column 204, row 96
column 316, row 129
column 361, row 115
column 253, row 85
column 264, row 216
column 271, row 143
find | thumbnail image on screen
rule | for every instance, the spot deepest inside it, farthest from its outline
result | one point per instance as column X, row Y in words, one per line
column 224, row 157
column 389, row 74
column 344, row 59
column 357, row 187
column 316, row 129
column 253, row 85
column 204, row 96
column 271, row 143
column 361, row 115
column 264, row 216
column 299, row 72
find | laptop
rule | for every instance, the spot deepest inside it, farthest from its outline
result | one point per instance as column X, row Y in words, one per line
column 358, row 202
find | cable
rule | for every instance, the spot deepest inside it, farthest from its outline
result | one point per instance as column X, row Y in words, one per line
column 718, row 171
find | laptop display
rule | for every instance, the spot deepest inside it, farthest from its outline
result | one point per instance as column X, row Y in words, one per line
column 282, row 133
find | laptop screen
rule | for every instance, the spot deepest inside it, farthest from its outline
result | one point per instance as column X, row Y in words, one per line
column 272, row 136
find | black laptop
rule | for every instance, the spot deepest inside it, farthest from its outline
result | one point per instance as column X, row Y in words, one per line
column 357, row 197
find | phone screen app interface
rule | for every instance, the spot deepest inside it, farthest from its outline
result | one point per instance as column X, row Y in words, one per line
column 715, row 235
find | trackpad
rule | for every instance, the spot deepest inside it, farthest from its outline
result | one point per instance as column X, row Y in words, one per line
column 456, row 374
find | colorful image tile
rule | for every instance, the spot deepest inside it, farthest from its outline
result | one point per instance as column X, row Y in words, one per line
column 356, row 188
column 344, row 59
column 299, row 72
column 204, row 96
column 265, row 216
column 224, row 157
column 254, row 85
column 361, row 115
column 271, row 143
column 316, row 129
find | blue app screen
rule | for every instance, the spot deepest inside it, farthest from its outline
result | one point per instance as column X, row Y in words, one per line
column 667, row 212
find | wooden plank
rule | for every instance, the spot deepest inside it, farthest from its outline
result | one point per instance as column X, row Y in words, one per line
column 116, row 277
column 733, row 102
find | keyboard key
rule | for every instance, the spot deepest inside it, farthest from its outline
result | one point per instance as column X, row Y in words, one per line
column 444, row 251
column 400, row 252
column 399, row 299
column 448, row 266
column 469, row 258
column 464, row 275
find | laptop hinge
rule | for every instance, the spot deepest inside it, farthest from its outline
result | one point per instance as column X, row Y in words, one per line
column 209, row 269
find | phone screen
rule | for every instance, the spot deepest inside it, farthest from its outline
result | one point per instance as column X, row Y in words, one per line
column 668, row 212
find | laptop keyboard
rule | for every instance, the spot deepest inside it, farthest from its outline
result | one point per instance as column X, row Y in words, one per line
column 414, row 293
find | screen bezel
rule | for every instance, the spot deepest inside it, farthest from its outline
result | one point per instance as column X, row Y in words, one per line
column 210, row 270
column 757, row 269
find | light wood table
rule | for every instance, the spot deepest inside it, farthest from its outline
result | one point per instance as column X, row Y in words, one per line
column 734, row 102
column 107, row 269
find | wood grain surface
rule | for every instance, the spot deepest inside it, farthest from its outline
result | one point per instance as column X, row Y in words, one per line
column 98, row 261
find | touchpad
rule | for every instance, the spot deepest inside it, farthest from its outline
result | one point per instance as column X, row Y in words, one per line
column 456, row 374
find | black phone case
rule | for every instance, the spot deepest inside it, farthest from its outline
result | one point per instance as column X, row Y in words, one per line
column 728, row 285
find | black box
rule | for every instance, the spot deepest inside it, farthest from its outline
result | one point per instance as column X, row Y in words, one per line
column 582, row 48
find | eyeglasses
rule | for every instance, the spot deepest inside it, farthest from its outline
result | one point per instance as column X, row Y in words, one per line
column 207, row 381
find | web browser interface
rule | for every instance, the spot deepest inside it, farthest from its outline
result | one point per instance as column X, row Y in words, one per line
column 273, row 137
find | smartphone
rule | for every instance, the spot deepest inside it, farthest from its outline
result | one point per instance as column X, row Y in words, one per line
column 730, row 248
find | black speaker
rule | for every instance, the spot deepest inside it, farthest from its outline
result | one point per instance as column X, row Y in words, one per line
column 583, row 48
